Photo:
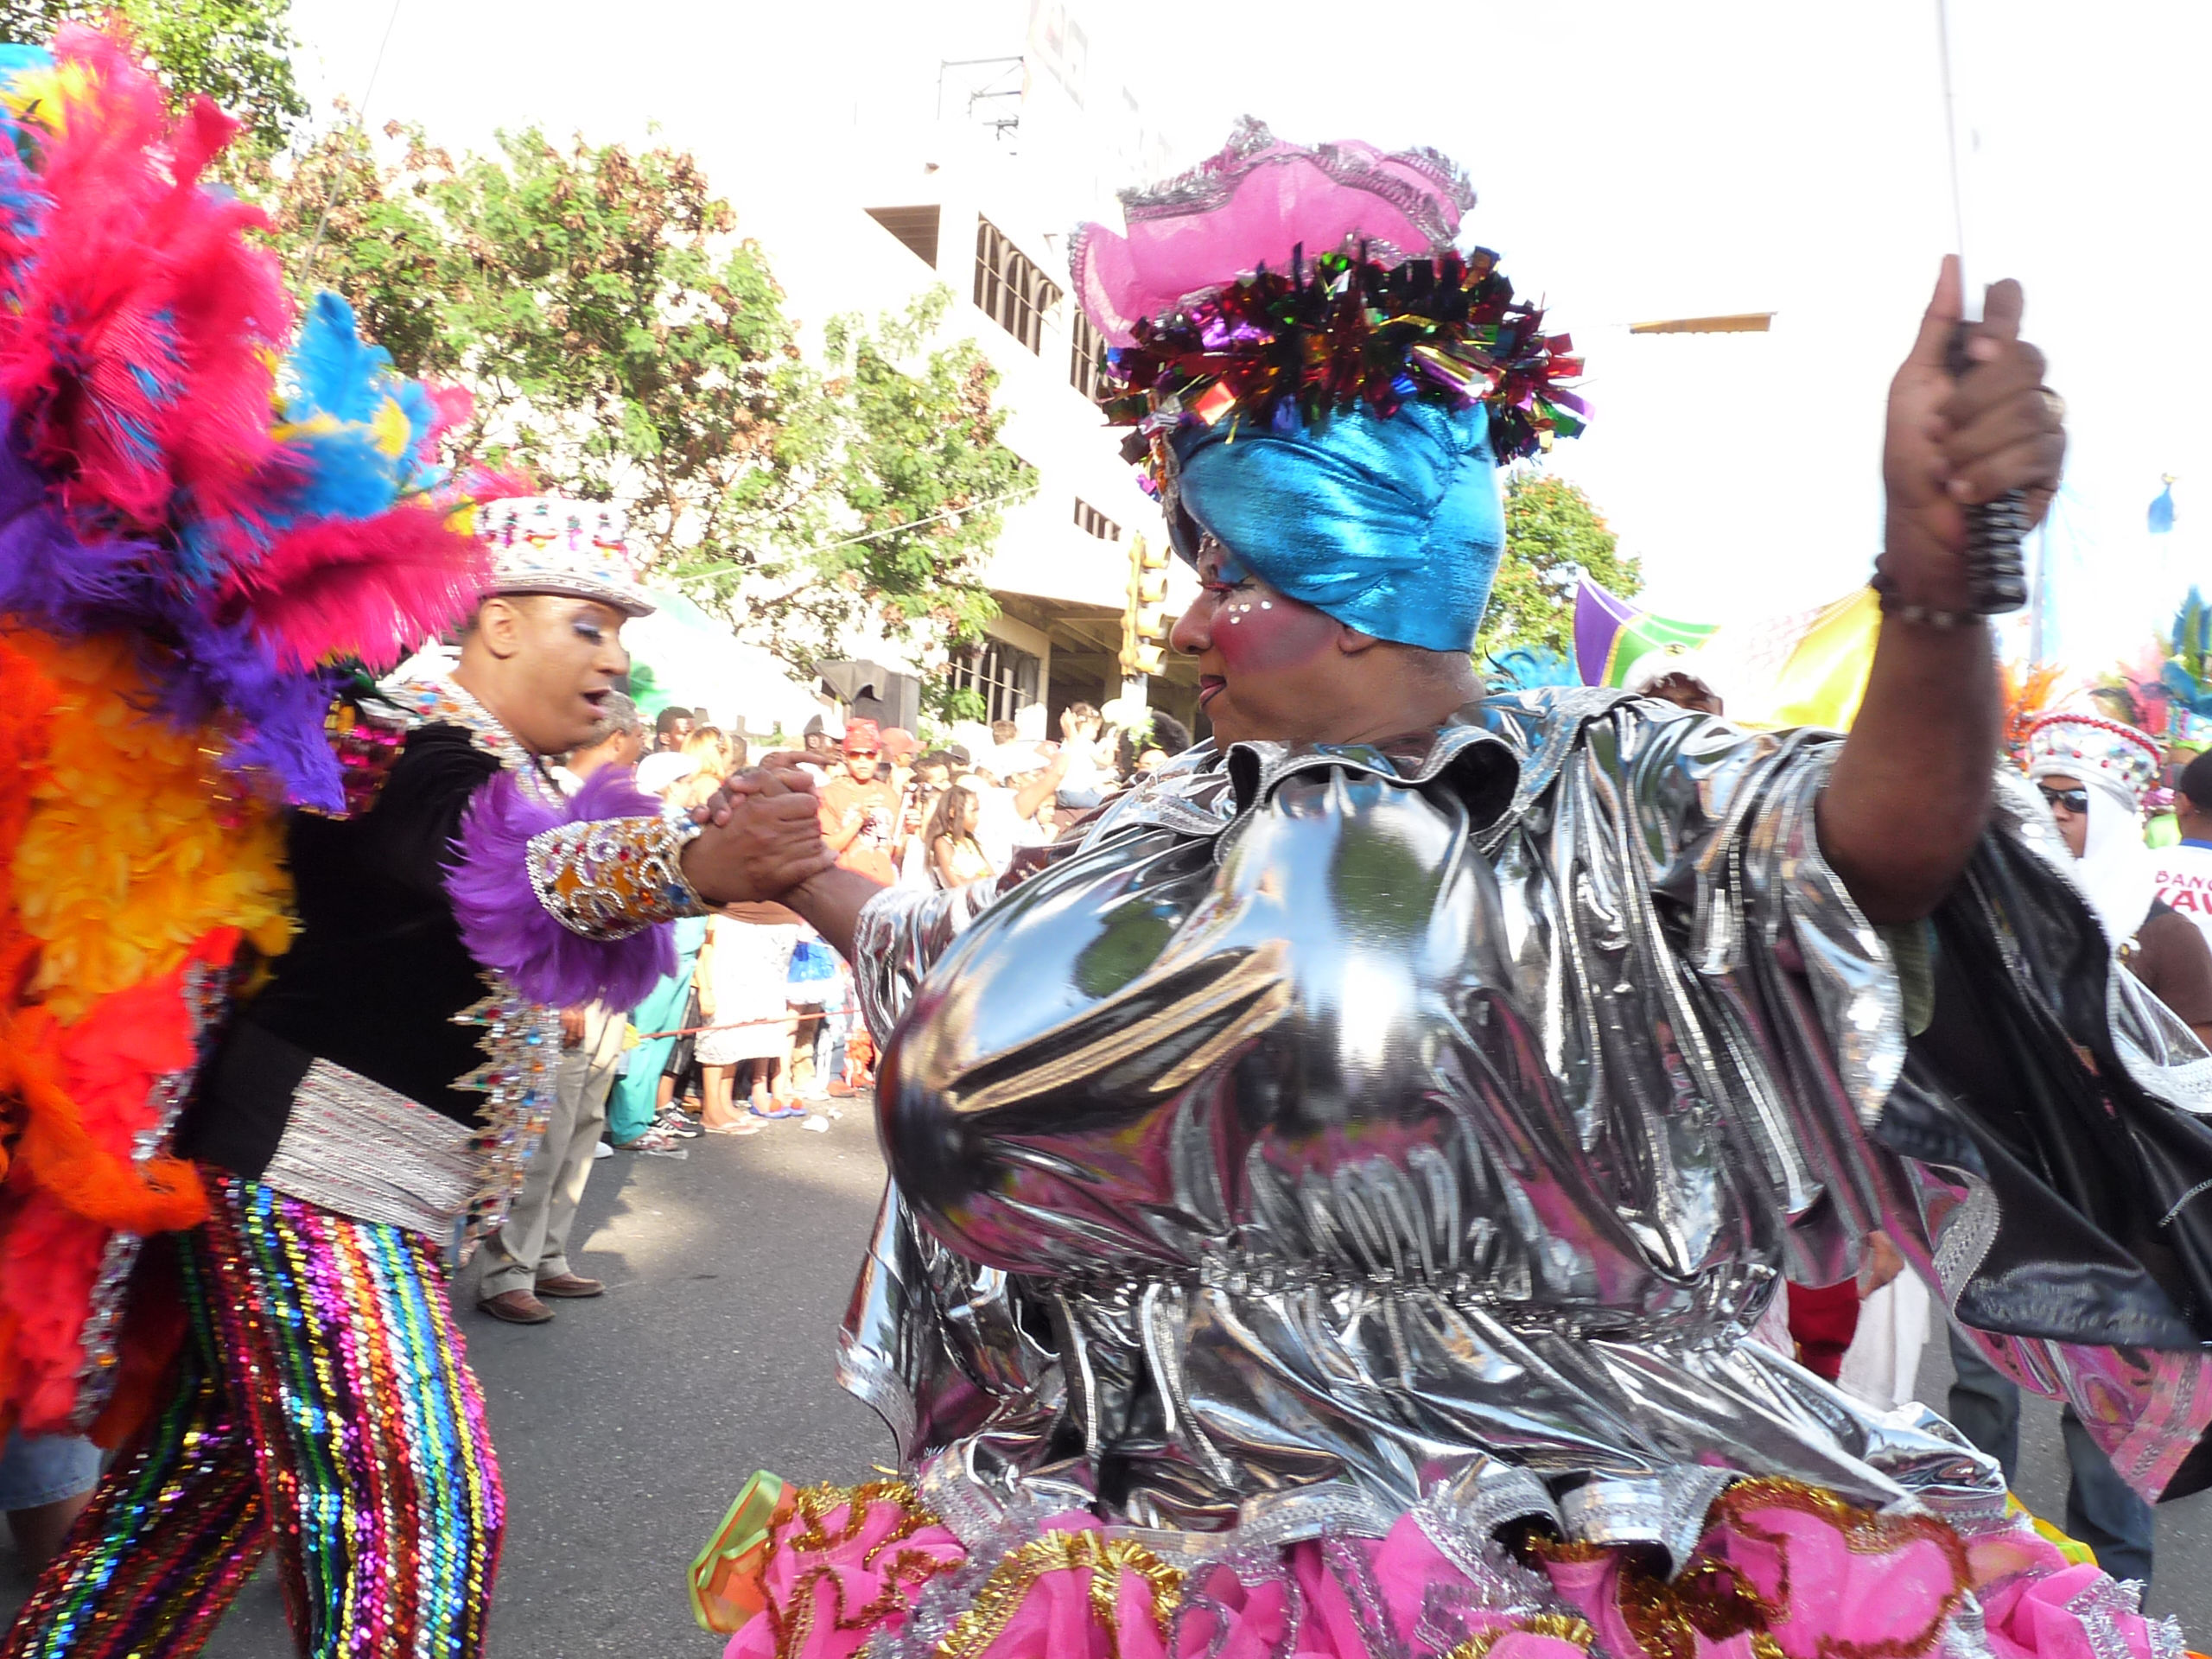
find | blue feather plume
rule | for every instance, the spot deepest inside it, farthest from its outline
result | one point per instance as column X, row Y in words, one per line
column 2187, row 675
column 332, row 369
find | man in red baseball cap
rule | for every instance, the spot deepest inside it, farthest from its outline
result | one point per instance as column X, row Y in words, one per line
column 860, row 813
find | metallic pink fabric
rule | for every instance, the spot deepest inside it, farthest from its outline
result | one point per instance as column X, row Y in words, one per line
column 1251, row 205
column 1819, row 1583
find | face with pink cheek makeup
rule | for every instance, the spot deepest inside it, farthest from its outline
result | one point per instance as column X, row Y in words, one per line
column 1259, row 654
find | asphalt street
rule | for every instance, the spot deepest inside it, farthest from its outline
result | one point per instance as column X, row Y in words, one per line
column 626, row 1426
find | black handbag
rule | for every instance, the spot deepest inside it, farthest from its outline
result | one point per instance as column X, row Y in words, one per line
column 681, row 1061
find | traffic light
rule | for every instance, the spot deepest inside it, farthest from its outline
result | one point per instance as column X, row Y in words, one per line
column 1146, row 622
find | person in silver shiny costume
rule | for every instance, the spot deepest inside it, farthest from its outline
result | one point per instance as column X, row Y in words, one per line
column 1410, row 1099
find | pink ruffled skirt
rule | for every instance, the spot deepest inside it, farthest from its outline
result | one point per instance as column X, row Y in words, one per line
column 1783, row 1572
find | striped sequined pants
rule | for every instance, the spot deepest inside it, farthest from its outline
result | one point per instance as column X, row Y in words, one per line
column 323, row 1406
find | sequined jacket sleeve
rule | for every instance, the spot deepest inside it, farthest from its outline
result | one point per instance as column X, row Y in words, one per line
column 569, row 902
column 609, row 878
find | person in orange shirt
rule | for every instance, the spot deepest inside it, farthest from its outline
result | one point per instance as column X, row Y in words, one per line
column 860, row 813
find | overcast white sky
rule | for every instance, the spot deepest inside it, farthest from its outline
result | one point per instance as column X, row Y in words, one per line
column 1633, row 161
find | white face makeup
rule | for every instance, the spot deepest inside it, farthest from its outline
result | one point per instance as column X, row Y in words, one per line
column 1227, row 568
column 1258, row 650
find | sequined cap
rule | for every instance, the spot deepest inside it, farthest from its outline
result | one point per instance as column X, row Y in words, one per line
column 2089, row 744
column 550, row 544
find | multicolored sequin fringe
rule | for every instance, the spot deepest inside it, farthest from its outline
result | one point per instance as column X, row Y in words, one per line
column 324, row 1404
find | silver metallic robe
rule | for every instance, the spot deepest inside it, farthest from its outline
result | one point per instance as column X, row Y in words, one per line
column 1330, row 1132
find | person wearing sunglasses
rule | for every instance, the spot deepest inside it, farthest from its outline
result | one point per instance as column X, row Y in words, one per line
column 860, row 812
column 2094, row 774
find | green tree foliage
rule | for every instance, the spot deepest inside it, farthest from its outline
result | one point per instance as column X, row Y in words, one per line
column 1552, row 536
column 621, row 345
column 237, row 52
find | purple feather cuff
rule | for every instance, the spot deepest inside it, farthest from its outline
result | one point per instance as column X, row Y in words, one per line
column 571, row 906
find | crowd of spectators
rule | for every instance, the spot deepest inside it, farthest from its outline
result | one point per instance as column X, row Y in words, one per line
column 946, row 816
column 759, row 1022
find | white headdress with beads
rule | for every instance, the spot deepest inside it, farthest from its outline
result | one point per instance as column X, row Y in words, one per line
column 2116, row 765
column 2093, row 748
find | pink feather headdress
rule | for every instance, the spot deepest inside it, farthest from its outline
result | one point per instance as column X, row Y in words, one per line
column 159, row 479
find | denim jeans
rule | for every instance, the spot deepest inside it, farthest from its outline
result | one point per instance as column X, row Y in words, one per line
column 36, row 1470
column 2102, row 1510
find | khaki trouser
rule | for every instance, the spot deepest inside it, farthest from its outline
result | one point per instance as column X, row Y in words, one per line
column 533, row 1244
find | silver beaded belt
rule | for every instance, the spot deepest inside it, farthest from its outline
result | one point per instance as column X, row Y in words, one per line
column 368, row 1152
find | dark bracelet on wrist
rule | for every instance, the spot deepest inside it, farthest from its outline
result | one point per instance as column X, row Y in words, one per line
column 1926, row 616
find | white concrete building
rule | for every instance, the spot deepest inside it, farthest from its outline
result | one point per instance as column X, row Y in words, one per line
column 972, row 176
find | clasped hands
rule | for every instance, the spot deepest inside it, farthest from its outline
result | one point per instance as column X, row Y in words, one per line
column 760, row 836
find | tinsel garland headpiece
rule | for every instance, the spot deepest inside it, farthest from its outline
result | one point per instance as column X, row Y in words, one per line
column 1329, row 284
column 1344, row 331
column 1317, row 378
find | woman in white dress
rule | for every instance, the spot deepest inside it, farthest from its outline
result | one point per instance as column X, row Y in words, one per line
column 746, row 1015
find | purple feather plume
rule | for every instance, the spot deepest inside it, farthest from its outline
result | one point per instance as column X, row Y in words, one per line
column 50, row 575
column 507, row 929
column 203, row 671
column 222, row 672
column 287, row 741
column 613, row 792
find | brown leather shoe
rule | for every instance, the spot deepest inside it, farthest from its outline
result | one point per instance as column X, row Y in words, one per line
column 515, row 1308
column 572, row 1284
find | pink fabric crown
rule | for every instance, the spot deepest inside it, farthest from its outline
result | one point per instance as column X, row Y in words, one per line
column 1250, row 206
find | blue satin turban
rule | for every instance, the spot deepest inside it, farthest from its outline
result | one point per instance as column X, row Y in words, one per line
column 1393, row 526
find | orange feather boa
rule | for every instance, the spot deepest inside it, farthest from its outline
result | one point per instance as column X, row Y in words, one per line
column 79, row 1066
